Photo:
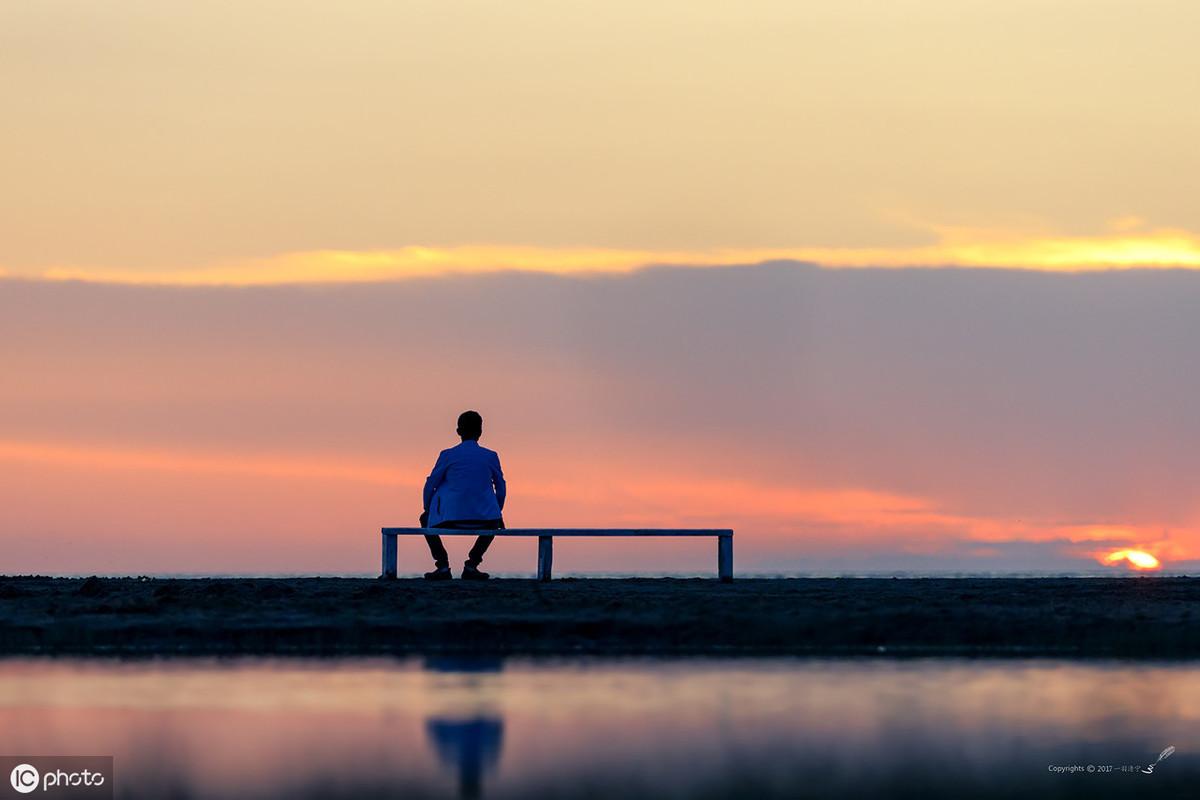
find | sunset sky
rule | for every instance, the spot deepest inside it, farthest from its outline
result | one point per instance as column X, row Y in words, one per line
column 882, row 286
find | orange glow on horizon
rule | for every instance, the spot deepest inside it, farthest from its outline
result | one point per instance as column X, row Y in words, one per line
column 1136, row 559
column 590, row 497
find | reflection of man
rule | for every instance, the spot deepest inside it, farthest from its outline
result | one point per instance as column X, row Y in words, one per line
column 465, row 491
column 470, row 746
column 466, row 728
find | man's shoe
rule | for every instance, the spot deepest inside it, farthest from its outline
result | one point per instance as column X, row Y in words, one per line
column 439, row 574
column 470, row 573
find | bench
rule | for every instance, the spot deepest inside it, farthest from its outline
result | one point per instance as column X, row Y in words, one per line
column 545, row 537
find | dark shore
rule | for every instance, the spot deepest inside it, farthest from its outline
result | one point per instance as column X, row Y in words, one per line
column 1122, row 617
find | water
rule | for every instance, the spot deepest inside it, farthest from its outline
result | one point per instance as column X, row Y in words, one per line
column 706, row 728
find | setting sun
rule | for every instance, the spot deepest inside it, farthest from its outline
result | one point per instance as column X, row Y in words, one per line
column 1136, row 559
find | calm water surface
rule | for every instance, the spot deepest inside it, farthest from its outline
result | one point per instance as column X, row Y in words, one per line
column 611, row 728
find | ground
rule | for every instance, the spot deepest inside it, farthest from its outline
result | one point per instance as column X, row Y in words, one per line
column 1127, row 617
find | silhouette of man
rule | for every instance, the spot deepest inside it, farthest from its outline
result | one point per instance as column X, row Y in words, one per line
column 465, row 491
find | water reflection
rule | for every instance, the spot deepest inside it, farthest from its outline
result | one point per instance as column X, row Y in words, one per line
column 470, row 744
column 610, row 728
column 467, row 746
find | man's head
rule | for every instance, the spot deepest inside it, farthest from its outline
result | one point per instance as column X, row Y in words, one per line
column 470, row 425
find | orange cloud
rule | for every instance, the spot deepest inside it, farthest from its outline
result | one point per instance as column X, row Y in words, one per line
column 274, row 467
column 797, row 516
column 1129, row 243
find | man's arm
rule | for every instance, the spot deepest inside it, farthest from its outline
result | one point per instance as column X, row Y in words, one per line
column 498, row 483
column 435, row 479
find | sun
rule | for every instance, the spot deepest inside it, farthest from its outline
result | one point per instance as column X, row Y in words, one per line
column 1136, row 559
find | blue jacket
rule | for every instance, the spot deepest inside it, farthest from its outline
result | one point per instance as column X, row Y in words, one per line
column 466, row 484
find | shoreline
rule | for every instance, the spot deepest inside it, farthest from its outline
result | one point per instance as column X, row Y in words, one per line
column 1139, row 618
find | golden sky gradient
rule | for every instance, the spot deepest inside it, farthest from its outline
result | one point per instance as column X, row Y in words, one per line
column 169, row 170
column 220, row 140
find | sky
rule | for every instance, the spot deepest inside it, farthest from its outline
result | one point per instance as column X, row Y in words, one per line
column 903, row 286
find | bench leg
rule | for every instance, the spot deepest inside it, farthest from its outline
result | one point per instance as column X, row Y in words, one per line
column 725, row 558
column 389, row 557
column 545, row 557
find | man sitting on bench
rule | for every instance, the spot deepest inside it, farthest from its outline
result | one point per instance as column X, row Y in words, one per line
column 465, row 491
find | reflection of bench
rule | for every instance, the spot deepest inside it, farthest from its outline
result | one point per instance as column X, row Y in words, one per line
column 546, row 542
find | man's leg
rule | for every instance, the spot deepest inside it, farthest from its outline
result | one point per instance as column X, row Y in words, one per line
column 476, row 555
column 483, row 542
column 441, row 559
